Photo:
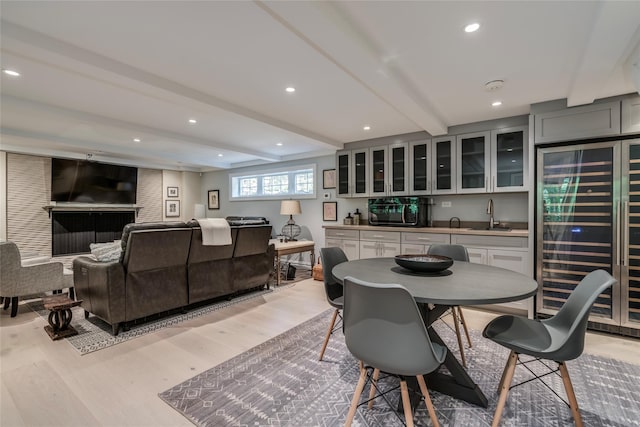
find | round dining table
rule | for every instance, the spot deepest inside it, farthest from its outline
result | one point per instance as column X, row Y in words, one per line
column 463, row 283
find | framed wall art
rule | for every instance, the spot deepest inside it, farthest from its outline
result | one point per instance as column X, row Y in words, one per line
column 214, row 199
column 329, row 178
column 172, row 208
column 329, row 211
column 172, row 192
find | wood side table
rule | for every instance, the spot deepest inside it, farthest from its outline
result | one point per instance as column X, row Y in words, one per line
column 288, row 248
column 59, row 325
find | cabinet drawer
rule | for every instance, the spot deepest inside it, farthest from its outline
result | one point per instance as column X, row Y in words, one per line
column 489, row 241
column 380, row 236
column 425, row 238
column 336, row 233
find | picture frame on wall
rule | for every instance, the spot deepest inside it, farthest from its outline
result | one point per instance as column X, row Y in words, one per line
column 172, row 192
column 329, row 211
column 172, row 208
column 214, row 199
column 328, row 178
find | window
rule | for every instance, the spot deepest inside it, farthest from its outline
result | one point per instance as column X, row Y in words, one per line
column 297, row 182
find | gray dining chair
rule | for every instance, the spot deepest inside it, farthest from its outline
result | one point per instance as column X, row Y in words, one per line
column 559, row 338
column 457, row 253
column 332, row 288
column 384, row 330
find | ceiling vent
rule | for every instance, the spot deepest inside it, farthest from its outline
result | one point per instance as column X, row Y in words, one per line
column 493, row 85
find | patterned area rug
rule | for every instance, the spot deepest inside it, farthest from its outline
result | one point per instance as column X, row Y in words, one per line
column 282, row 383
column 95, row 334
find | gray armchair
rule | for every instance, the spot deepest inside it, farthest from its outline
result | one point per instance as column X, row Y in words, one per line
column 19, row 281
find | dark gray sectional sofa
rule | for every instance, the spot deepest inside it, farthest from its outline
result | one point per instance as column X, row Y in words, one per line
column 164, row 266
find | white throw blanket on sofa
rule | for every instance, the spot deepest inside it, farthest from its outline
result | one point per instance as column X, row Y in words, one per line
column 215, row 231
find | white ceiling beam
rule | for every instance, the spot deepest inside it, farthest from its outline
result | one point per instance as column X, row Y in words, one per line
column 328, row 30
column 606, row 50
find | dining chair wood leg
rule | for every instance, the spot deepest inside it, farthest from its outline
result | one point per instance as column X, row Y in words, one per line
column 464, row 325
column 506, row 383
column 504, row 374
column 427, row 401
column 356, row 398
column 573, row 402
column 326, row 339
column 406, row 403
column 374, row 382
column 455, row 322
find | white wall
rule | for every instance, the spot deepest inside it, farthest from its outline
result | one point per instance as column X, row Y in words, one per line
column 3, row 195
column 188, row 184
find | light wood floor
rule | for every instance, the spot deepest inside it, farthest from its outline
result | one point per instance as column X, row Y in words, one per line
column 46, row 383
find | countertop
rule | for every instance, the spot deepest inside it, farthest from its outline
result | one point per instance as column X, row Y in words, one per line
column 443, row 230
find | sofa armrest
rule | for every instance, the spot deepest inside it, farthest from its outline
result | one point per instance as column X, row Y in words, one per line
column 101, row 287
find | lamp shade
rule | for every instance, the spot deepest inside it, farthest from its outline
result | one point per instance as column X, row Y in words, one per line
column 290, row 207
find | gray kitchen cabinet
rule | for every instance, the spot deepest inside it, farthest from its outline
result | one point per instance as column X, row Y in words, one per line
column 588, row 121
column 509, row 160
column 347, row 240
column 630, row 121
column 473, row 162
column 389, row 170
column 343, row 173
column 419, row 243
column 378, row 244
column 420, row 178
column 443, row 165
column 352, row 167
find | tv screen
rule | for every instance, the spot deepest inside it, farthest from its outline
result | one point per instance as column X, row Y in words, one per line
column 83, row 181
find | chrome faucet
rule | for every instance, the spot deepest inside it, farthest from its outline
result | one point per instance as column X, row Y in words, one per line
column 492, row 222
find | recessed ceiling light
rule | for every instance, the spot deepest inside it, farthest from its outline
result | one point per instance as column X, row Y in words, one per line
column 367, row 127
column 219, row 155
column 136, row 140
column 11, row 73
column 279, row 144
column 193, row 121
column 472, row 27
column 290, row 89
column 496, row 103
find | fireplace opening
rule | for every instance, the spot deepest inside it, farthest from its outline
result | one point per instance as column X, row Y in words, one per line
column 73, row 232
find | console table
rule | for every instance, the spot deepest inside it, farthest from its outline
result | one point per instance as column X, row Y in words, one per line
column 288, row 248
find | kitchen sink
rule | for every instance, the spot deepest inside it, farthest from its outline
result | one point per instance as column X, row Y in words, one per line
column 492, row 229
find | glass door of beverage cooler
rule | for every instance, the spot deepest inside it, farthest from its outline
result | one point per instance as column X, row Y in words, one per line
column 577, row 222
column 630, row 230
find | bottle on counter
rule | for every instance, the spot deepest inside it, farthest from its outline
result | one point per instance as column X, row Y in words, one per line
column 348, row 220
column 356, row 217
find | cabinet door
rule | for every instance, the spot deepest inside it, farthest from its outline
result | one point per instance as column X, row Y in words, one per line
column 420, row 167
column 477, row 255
column 351, row 249
column 379, row 170
column 399, row 169
column 473, row 162
column 443, row 165
column 389, row 249
column 412, row 248
column 369, row 249
column 360, row 161
column 343, row 171
column 511, row 260
column 509, row 159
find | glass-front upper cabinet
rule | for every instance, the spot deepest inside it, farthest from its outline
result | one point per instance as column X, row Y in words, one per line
column 343, row 172
column 420, row 167
column 443, row 151
column 360, row 160
column 389, row 170
column 473, row 162
column 509, row 159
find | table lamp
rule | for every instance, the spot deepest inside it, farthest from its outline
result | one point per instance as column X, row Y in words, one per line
column 290, row 229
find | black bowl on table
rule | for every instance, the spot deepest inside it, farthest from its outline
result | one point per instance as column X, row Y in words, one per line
column 424, row 263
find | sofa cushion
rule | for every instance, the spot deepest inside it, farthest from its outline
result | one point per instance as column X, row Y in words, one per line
column 106, row 252
column 145, row 226
column 252, row 240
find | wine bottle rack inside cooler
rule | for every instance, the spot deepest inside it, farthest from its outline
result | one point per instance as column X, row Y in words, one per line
column 633, row 233
column 577, row 223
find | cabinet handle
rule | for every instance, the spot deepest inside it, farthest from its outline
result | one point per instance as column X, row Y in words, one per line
column 426, row 239
column 486, row 183
column 493, row 183
column 619, row 233
column 623, row 236
column 377, row 236
column 339, row 234
column 428, row 185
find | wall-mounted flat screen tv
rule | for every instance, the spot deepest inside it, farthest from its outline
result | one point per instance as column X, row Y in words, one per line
column 83, row 181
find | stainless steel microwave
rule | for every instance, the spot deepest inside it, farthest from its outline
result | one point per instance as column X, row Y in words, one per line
column 399, row 211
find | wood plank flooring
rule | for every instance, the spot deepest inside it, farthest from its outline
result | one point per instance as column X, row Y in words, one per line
column 47, row 383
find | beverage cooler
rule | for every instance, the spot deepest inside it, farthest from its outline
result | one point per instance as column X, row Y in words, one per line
column 588, row 217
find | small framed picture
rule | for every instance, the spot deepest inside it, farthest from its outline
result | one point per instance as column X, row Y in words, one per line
column 329, row 178
column 172, row 192
column 329, row 211
column 172, row 208
column 214, row 199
